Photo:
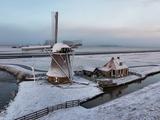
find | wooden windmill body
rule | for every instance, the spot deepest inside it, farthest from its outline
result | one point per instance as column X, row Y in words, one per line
column 60, row 69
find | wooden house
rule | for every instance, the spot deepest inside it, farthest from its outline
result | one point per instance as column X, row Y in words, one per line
column 115, row 68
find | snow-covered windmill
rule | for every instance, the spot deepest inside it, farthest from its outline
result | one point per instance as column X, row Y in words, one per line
column 60, row 70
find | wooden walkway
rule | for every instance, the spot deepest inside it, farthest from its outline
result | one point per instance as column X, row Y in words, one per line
column 47, row 110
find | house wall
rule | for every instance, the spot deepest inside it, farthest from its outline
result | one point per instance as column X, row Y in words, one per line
column 112, row 73
column 100, row 73
column 121, row 73
column 87, row 73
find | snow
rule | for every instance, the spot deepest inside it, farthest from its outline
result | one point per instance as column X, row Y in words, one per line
column 146, row 70
column 131, row 59
column 125, row 80
column 18, row 68
column 58, row 46
column 140, row 105
column 104, row 69
column 33, row 96
column 91, row 69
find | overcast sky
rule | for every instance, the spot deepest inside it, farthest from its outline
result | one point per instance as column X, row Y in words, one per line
column 120, row 22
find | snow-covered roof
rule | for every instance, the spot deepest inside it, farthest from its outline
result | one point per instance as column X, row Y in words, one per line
column 104, row 69
column 88, row 68
column 58, row 46
column 115, row 64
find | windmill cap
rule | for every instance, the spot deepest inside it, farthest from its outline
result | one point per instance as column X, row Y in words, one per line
column 59, row 46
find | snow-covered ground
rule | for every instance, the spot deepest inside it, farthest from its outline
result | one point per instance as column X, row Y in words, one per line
column 121, row 81
column 34, row 96
column 140, row 105
column 132, row 59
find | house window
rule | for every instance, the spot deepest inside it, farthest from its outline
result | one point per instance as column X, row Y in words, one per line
column 119, row 71
column 122, row 72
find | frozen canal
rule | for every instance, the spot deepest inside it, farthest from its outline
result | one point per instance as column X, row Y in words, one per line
column 117, row 92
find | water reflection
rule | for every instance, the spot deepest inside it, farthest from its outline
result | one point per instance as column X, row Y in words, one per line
column 116, row 92
column 8, row 88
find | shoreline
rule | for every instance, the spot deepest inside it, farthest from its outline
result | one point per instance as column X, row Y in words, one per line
column 19, row 74
column 101, row 94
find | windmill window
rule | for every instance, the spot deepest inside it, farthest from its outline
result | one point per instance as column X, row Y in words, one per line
column 120, row 63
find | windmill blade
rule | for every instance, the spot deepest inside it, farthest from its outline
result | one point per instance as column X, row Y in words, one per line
column 30, row 48
column 73, row 43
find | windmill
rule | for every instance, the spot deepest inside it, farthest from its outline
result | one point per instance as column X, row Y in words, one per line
column 60, row 70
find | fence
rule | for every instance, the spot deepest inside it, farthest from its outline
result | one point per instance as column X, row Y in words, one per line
column 45, row 111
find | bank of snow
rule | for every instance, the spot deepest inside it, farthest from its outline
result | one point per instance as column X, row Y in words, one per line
column 33, row 96
column 140, row 105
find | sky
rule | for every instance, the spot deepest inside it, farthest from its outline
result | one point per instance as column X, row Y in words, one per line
column 103, row 22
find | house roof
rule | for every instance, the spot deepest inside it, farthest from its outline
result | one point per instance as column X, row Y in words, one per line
column 88, row 68
column 58, row 46
column 104, row 69
column 114, row 64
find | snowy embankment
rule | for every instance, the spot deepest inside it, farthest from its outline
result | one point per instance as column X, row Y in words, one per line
column 33, row 96
column 142, row 72
column 140, row 105
column 17, row 71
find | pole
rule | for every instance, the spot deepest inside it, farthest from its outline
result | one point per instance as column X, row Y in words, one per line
column 33, row 72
